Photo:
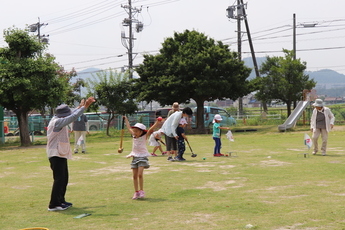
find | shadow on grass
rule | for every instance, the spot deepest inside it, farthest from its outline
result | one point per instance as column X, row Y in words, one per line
column 151, row 200
column 74, row 211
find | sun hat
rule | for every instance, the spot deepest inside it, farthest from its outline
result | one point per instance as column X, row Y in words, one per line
column 183, row 121
column 176, row 106
column 218, row 117
column 63, row 111
column 318, row 103
column 140, row 126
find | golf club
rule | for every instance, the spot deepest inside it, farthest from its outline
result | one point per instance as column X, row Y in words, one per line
column 120, row 150
column 162, row 142
column 193, row 155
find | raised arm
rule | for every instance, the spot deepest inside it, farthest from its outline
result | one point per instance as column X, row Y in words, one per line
column 128, row 125
column 152, row 128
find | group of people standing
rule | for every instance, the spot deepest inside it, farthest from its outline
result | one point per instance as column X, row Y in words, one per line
column 59, row 151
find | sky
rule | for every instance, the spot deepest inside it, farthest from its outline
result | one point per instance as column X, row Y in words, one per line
column 87, row 33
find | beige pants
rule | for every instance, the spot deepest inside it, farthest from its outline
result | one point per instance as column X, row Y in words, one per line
column 77, row 134
column 324, row 136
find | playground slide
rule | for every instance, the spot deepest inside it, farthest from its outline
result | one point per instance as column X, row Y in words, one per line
column 292, row 119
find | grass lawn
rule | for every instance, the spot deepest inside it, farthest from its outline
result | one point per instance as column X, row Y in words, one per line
column 267, row 183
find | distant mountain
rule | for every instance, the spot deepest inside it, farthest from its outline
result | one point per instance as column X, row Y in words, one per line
column 325, row 78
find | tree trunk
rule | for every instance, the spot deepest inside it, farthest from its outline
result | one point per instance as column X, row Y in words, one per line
column 264, row 106
column 288, row 107
column 23, row 128
column 200, row 116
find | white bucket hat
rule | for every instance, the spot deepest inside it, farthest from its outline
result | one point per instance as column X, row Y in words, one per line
column 318, row 103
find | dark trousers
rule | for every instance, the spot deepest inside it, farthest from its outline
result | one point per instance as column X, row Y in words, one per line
column 218, row 145
column 60, row 175
column 181, row 148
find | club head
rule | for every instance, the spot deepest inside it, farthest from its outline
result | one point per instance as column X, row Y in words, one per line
column 194, row 155
column 120, row 150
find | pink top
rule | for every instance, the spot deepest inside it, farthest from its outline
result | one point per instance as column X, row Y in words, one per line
column 139, row 148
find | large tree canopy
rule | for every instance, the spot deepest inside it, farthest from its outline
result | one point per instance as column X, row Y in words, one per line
column 284, row 79
column 28, row 79
column 191, row 65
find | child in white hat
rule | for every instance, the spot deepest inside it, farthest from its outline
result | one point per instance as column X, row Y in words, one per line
column 217, row 134
column 140, row 155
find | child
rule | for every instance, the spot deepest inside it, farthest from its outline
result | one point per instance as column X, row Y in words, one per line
column 154, row 140
column 180, row 141
column 216, row 135
column 139, row 153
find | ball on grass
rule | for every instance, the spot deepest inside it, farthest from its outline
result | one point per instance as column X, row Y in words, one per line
column 226, row 155
column 204, row 158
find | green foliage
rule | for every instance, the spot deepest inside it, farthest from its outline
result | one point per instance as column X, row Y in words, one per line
column 29, row 80
column 339, row 112
column 191, row 65
column 284, row 79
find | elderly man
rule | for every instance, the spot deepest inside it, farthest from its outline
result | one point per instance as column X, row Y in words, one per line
column 322, row 121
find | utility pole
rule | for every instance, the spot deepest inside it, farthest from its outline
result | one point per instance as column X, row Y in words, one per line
column 241, row 13
column 239, row 49
column 238, row 16
column 37, row 27
column 128, row 41
column 294, row 37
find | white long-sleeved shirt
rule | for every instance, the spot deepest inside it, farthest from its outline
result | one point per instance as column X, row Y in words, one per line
column 329, row 119
column 170, row 125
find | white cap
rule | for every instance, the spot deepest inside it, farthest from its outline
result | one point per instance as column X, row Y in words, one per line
column 218, row 117
column 183, row 121
column 140, row 126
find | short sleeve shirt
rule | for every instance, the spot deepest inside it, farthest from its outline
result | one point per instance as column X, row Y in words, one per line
column 216, row 130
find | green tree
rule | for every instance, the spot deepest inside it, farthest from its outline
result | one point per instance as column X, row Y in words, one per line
column 283, row 78
column 191, row 65
column 112, row 90
column 28, row 79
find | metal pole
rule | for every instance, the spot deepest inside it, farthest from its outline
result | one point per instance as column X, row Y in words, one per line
column 130, row 45
column 239, row 50
column 294, row 36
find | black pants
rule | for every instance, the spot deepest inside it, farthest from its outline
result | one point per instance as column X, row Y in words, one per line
column 60, row 175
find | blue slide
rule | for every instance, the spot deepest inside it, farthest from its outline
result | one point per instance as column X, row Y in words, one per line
column 292, row 119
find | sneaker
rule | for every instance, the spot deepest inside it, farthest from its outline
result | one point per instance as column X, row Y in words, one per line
column 221, row 154
column 59, row 208
column 83, row 151
column 323, row 154
column 141, row 194
column 67, row 204
column 314, row 152
column 136, row 196
column 217, row 155
column 169, row 159
column 75, row 151
column 153, row 154
column 164, row 153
